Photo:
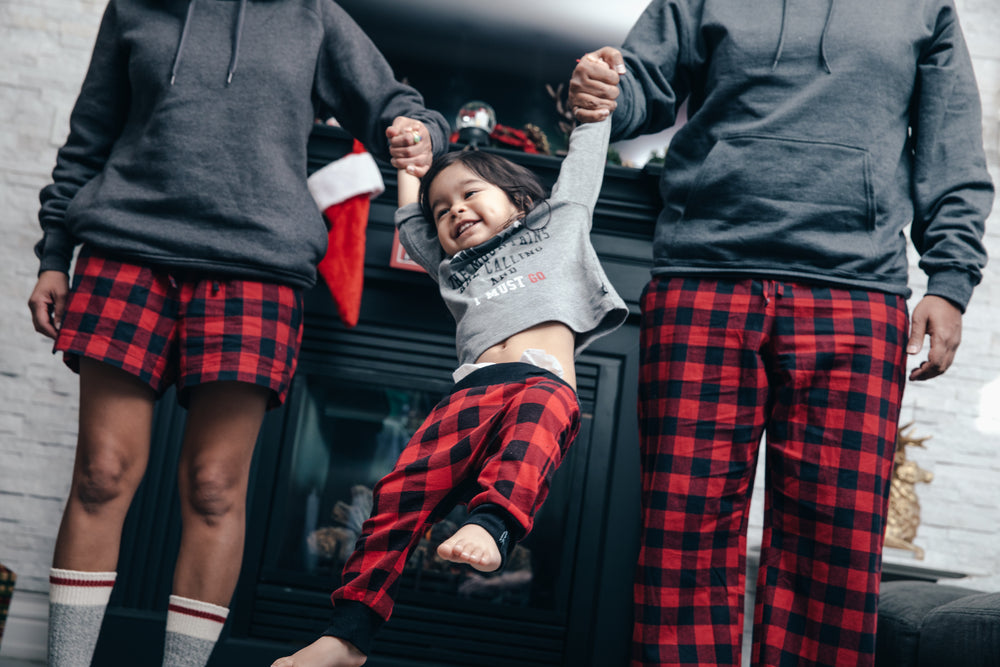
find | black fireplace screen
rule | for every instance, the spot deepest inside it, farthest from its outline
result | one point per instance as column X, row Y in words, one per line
column 347, row 436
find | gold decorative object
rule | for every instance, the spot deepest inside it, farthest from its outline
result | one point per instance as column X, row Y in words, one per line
column 538, row 138
column 7, row 580
column 904, row 507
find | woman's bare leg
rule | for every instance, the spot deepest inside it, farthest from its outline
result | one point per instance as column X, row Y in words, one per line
column 223, row 422
column 224, row 419
column 116, row 416
column 116, row 413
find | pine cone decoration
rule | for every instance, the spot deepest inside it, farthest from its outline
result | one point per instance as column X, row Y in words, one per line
column 538, row 138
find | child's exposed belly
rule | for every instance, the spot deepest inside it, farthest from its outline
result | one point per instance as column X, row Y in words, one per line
column 554, row 338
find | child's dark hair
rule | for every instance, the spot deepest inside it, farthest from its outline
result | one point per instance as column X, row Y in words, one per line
column 520, row 185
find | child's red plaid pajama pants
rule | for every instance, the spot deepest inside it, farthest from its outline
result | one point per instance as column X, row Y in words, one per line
column 497, row 438
column 820, row 370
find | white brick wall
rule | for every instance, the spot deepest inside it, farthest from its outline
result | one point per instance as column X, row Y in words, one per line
column 960, row 508
column 44, row 49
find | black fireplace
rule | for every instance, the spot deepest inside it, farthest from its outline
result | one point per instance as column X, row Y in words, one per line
column 564, row 599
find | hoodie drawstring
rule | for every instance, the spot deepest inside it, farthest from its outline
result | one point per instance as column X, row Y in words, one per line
column 237, row 39
column 781, row 35
column 236, row 42
column 822, row 38
column 180, row 44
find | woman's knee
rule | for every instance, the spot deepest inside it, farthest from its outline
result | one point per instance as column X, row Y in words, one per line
column 102, row 479
column 213, row 492
column 116, row 412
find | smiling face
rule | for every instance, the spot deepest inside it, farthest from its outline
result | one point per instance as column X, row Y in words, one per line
column 467, row 210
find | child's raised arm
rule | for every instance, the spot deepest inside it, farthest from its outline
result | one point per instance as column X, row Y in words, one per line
column 411, row 155
column 417, row 234
column 408, row 187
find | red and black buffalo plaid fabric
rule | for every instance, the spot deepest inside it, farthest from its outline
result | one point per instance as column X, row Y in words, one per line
column 165, row 330
column 818, row 372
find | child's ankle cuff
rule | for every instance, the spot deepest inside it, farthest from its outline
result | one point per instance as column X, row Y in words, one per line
column 501, row 526
column 354, row 622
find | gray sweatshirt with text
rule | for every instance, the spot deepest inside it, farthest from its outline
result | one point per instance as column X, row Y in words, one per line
column 544, row 269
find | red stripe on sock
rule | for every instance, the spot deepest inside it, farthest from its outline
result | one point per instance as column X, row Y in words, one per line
column 81, row 582
column 197, row 614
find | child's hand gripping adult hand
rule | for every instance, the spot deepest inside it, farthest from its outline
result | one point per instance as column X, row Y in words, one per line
column 48, row 302
column 593, row 88
column 410, row 145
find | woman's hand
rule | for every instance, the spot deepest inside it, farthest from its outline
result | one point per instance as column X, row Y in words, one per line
column 48, row 302
column 593, row 88
column 410, row 145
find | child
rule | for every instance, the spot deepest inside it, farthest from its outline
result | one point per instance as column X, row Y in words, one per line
column 527, row 292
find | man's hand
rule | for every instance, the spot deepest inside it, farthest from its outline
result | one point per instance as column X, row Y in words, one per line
column 593, row 88
column 942, row 321
column 410, row 145
column 48, row 302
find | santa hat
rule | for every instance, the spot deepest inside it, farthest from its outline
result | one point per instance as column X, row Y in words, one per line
column 342, row 191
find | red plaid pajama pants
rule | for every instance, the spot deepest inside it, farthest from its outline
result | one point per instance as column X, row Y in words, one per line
column 166, row 330
column 820, row 371
column 497, row 438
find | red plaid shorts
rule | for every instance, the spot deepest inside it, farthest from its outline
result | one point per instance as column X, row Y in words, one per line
column 167, row 330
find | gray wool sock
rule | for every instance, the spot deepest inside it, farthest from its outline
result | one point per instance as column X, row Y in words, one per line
column 193, row 628
column 77, row 602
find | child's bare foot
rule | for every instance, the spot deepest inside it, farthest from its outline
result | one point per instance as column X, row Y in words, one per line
column 324, row 652
column 471, row 545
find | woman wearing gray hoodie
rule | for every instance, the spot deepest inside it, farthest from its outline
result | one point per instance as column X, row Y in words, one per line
column 184, row 181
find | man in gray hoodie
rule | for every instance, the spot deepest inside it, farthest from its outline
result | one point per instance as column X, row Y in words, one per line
column 816, row 133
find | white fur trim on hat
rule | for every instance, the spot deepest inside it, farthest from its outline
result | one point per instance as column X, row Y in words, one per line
column 352, row 175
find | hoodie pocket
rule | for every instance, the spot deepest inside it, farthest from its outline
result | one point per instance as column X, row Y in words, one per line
column 781, row 202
